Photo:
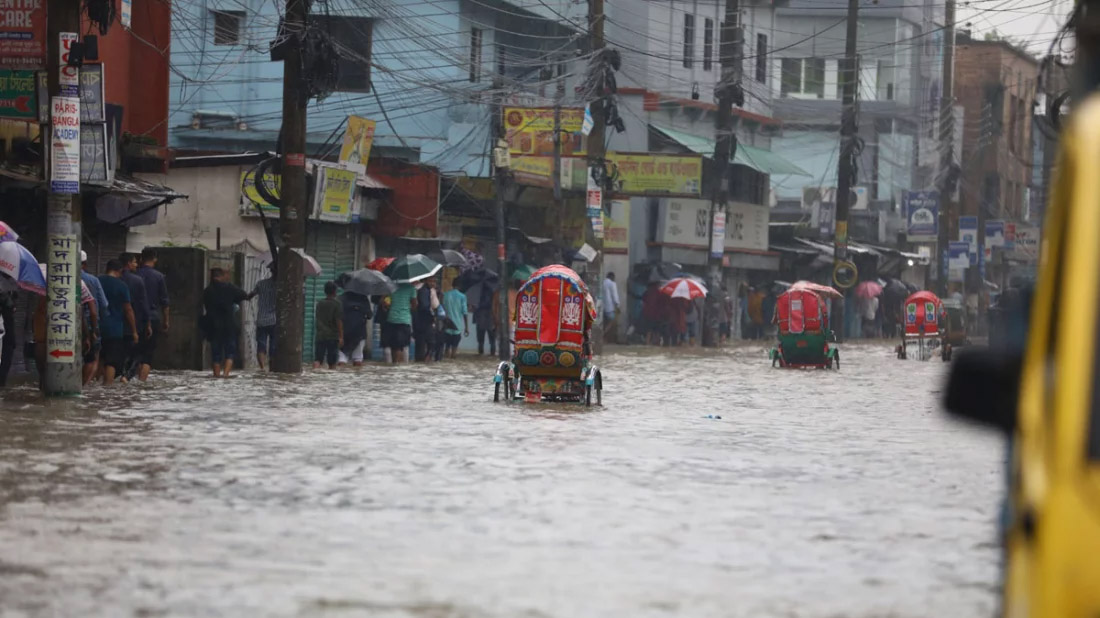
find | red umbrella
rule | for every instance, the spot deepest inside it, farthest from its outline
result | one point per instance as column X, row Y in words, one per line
column 682, row 287
column 380, row 264
column 868, row 289
column 816, row 288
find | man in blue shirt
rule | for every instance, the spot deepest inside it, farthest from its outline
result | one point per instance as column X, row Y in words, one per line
column 139, row 301
column 156, row 291
column 118, row 325
column 91, row 359
column 456, row 308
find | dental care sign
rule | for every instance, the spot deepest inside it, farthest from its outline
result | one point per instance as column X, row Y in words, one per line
column 65, row 145
column 23, row 34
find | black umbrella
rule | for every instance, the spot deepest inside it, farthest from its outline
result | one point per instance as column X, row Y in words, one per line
column 448, row 257
column 470, row 278
column 366, row 282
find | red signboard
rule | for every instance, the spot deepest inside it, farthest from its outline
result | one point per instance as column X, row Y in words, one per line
column 23, row 34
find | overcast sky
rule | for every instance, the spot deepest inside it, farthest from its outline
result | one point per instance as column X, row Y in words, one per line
column 1032, row 21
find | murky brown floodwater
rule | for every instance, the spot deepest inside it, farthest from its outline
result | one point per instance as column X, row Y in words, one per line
column 406, row 492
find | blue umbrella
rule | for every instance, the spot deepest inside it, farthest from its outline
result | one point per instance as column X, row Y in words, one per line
column 17, row 262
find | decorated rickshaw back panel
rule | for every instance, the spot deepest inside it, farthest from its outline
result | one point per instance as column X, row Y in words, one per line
column 922, row 314
column 798, row 311
column 552, row 314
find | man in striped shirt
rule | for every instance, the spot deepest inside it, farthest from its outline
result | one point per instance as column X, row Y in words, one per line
column 265, row 319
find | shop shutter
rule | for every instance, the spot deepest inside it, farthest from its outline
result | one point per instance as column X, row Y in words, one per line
column 333, row 246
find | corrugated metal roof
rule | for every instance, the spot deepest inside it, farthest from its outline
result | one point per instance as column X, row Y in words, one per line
column 759, row 159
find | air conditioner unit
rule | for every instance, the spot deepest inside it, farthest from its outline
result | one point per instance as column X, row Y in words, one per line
column 860, row 198
column 812, row 196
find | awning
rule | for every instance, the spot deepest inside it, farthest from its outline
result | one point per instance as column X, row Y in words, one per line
column 797, row 250
column 759, row 159
column 131, row 201
column 826, row 249
column 366, row 181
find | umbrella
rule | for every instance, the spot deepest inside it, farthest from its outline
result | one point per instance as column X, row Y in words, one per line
column 523, row 273
column 682, row 287
column 366, row 282
column 481, row 276
column 474, row 260
column 17, row 262
column 449, row 257
column 817, row 288
column 380, row 264
column 6, row 233
column 868, row 289
column 310, row 266
column 411, row 268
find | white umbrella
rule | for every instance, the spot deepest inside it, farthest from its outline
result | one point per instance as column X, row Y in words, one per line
column 310, row 267
column 682, row 287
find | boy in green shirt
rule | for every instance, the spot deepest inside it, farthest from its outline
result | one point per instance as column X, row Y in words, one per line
column 329, row 321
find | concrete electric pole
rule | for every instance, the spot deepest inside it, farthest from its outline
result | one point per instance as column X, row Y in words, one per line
column 947, row 216
column 846, row 170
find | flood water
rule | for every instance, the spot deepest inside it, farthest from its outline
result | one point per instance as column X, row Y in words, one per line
column 399, row 492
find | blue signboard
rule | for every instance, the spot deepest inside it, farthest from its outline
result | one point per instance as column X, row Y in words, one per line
column 968, row 233
column 922, row 213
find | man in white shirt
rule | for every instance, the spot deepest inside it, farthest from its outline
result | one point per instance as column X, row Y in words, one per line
column 611, row 308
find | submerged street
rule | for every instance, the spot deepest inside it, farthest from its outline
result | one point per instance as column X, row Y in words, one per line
column 406, row 492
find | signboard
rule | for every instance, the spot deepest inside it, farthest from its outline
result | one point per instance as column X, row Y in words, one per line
column 358, row 138
column 65, row 145
column 1010, row 236
column 92, row 106
column 617, row 227
column 958, row 260
column 126, row 12
column 335, row 188
column 994, row 234
column 1026, row 246
column 250, row 198
column 718, row 234
column 17, row 95
column 23, row 34
column 826, row 219
column 647, row 174
column 968, row 233
column 747, row 226
column 95, row 165
column 63, row 306
column 530, row 130
column 69, row 77
column 684, row 222
column 594, row 199
column 534, row 171
column 922, row 212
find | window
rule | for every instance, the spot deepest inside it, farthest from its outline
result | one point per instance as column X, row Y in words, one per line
column 885, row 80
column 803, row 77
column 689, row 40
column 708, row 44
column 475, row 55
column 352, row 37
column 762, row 58
column 227, row 27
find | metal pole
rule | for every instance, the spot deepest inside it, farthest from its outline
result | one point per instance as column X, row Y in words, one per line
column 846, row 170
column 499, row 186
column 63, row 373
column 596, row 160
column 948, row 216
column 730, row 57
column 293, row 210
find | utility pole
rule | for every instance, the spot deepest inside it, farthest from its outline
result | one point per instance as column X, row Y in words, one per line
column 947, row 152
column 596, row 164
column 847, row 168
column 559, row 215
column 293, row 202
column 500, row 179
column 731, row 59
column 63, row 205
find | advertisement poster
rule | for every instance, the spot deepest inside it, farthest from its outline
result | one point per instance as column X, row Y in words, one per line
column 334, row 193
column 648, row 174
column 968, row 233
column 125, row 13
column 92, row 108
column 826, row 219
column 534, row 171
column 958, row 260
column 922, row 212
column 718, row 235
column 250, row 198
column 23, row 34
column 530, row 130
column 616, row 227
column 95, row 168
column 69, row 76
column 684, row 222
column 62, row 281
column 358, row 137
column 65, row 145
column 747, row 226
column 994, row 234
column 17, row 95
column 1010, row 236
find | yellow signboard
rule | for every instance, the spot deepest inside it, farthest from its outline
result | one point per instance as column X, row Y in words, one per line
column 334, row 194
column 616, row 227
column 534, row 171
column 358, row 137
column 530, row 130
column 250, row 198
column 648, row 174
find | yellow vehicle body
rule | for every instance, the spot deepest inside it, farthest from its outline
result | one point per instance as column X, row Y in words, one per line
column 1053, row 543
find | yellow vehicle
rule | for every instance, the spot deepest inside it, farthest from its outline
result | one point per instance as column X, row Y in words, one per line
column 1052, row 538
